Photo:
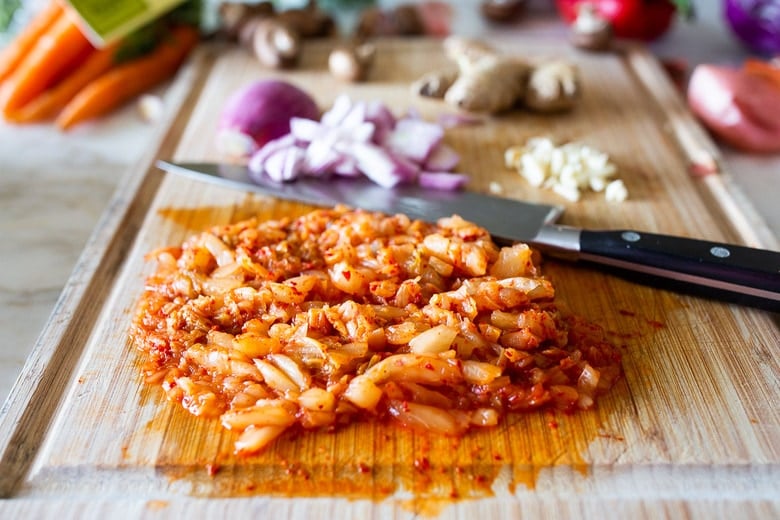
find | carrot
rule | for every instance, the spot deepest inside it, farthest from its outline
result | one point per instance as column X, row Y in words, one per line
column 14, row 52
column 125, row 81
column 54, row 53
column 54, row 99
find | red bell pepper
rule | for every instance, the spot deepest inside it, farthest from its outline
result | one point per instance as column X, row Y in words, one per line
column 635, row 19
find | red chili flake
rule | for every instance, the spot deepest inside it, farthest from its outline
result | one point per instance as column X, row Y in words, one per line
column 422, row 464
column 428, row 366
column 626, row 312
column 497, row 456
column 553, row 424
column 346, row 274
column 212, row 469
column 363, row 468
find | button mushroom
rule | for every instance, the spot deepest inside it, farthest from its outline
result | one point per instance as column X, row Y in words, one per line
column 590, row 30
column 275, row 44
column 351, row 62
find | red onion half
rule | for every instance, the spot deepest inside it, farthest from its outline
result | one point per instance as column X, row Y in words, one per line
column 756, row 23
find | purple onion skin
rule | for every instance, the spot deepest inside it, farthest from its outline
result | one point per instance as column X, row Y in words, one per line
column 756, row 23
column 263, row 109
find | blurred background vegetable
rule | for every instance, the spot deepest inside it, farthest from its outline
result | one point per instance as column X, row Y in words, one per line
column 756, row 23
column 260, row 112
column 635, row 19
column 55, row 52
column 8, row 9
column 740, row 105
column 50, row 67
column 129, row 79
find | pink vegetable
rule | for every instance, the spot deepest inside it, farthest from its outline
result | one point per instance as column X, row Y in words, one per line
column 436, row 17
column 452, row 120
column 381, row 166
column 338, row 111
column 306, row 129
column 414, row 139
column 347, row 168
column 270, row 148
column 442, row 159
column 742, row 109
column 443, row 180
column 360, row 139
column 285, row 164
column 321, row 158
column 384, row 121
column 259, row 113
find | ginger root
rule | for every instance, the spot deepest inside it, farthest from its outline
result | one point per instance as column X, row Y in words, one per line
column 491, row 85
column 552, row 87
column 491, row 82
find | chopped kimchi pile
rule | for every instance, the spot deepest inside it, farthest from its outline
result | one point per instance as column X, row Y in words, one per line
column 345, row 315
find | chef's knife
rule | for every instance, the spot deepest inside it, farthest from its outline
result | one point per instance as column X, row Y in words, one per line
column 743, row 274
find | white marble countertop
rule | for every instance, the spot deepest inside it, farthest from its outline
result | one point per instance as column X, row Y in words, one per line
column 54, row 188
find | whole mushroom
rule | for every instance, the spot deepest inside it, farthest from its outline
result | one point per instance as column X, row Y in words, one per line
column 351, row 62
column 590, row 30
column 275, row 44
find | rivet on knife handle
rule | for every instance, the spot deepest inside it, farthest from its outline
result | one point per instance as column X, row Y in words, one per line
column 722, row 267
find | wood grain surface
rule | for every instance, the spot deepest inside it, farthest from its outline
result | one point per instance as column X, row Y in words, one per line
column 692, row 429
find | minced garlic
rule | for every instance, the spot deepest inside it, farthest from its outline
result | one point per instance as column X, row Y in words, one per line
column 567, row 169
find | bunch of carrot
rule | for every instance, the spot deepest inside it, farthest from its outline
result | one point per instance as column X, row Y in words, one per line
column 51, row 70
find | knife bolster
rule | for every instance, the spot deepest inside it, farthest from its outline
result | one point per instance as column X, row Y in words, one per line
column 558, row 240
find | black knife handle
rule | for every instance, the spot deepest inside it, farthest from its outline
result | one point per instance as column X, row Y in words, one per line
column 718, row 267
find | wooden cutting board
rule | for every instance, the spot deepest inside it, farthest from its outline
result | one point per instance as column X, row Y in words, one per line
column 692, row 428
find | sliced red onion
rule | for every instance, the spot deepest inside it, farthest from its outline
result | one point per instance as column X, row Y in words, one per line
column 306, row 129
column 347, row 168
column 414, row 139
column 338, row 111
column 363, row 132
column 284, row 165
column 355, row 116
column 384, row 120
column 361, row 138
column 413, row 113
column 445, row 181
column 443, row 158
column 321, row 157
column 257, row 161
column 381, row 166
column 451, row 120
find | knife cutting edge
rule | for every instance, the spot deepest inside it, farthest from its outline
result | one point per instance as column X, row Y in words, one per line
column 735, row 273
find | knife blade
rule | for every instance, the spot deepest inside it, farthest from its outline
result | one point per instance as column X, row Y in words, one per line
column 732, row 272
